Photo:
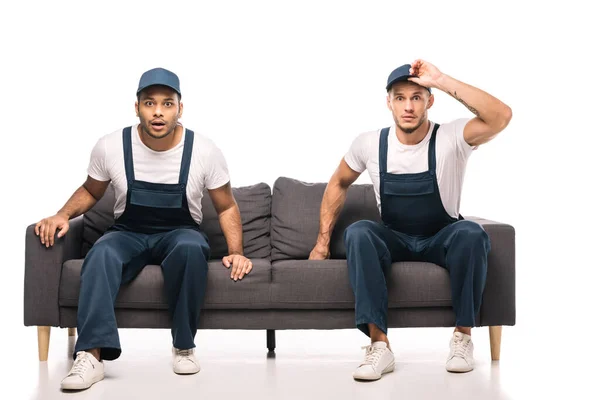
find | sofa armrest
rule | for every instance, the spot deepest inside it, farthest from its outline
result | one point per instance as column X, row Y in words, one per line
column 498, row 305
column 43, row 268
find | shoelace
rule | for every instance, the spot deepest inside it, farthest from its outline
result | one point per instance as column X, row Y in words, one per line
column 80, row 365
column 459, row 347
column 372, row 355
column 187, row 353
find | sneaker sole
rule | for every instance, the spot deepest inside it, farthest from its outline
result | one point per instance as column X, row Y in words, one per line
column 460, row 371
column 186, row 372
column 387, row 369
column 82, row 385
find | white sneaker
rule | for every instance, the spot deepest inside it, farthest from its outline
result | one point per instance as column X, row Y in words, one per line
column 460, row 358
column 379, row 360
column 86, row 371
column 185, row 362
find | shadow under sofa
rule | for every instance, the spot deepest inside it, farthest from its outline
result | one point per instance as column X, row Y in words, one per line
column 284, row 290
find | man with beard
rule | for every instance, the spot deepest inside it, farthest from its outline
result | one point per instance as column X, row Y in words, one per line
column 417, row 169
column 159, row 170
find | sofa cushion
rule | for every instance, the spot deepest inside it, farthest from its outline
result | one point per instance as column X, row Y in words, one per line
column 295, row 217
column 324, row 284
column 253, row 201
column 146, row 291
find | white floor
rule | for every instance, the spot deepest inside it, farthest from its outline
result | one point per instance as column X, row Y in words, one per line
column 308, row 365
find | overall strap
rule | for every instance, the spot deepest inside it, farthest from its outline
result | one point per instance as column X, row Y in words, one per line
column 383, row 150
column 186, row 159
column 432, row 160
column 128, row 155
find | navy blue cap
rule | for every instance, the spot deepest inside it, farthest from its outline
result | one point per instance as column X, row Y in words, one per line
column 159, row 76
column 402, row 73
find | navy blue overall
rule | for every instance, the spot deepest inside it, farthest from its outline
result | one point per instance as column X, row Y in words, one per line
column 155, row 228
column 416, row 227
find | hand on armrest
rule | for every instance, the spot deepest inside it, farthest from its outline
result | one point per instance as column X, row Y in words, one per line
column 43, row 270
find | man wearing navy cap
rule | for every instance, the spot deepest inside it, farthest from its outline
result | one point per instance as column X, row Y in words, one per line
column 158, row 170
column 417, row 169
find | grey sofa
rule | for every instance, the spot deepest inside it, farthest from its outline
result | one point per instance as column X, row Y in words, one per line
column 284, row 290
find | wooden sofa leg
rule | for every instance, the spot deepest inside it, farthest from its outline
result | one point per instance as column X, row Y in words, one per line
column 72, row 331
column 495, row 340
column 43, row 342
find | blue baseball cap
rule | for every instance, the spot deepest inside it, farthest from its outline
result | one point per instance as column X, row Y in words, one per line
column 402, row 73
column 159, row 76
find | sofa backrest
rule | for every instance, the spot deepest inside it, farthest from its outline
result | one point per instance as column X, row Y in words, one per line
column 280, row 226
column 255, row 208
column 295, row 217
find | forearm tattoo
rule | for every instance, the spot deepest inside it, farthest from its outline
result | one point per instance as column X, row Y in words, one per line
column 472, row 109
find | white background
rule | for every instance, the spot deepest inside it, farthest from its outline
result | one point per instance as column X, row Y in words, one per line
column 284, row 87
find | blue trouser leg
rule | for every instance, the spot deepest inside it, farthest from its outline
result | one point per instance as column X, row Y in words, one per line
column 184, row 254
column 370, row 250
column 462, row 248
column 115, row 257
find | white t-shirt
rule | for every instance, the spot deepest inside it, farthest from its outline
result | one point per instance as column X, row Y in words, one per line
column 207, row 169
column 451, row 150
